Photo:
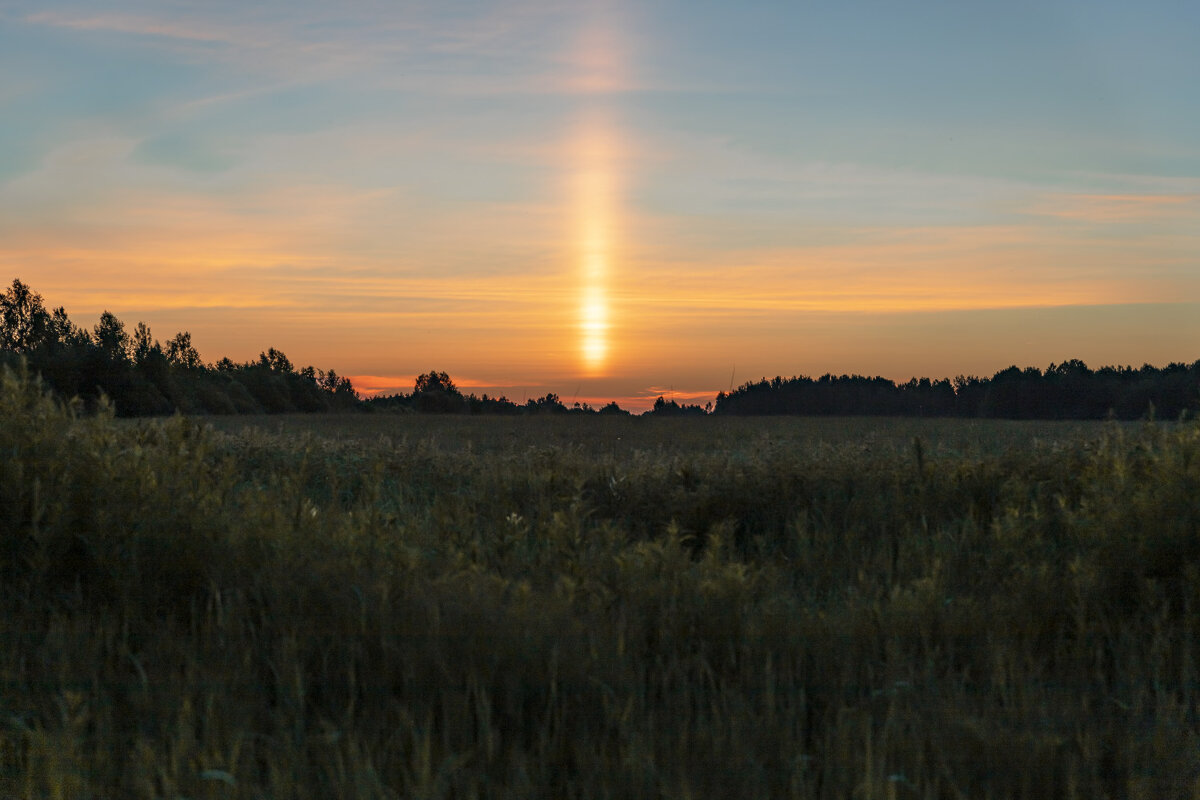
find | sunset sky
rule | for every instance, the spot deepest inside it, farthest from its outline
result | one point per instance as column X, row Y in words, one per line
column 612, row 200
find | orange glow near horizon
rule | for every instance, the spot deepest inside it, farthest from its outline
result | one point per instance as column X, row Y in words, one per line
column 595, row 207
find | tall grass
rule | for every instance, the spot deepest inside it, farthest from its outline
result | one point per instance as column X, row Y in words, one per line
column 190, row 613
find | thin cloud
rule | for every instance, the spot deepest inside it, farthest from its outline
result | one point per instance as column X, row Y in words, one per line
column 534, row 47
column 377, row 385
column 899, row 269
column 670, row 393
column 1119, row 208
column 136, row 25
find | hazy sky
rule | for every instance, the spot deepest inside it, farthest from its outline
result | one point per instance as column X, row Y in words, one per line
column 612, row 199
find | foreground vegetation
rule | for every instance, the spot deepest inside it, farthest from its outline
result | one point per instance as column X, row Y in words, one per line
column 596, row 607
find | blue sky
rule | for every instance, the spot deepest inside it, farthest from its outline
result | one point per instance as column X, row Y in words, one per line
column 603, row 199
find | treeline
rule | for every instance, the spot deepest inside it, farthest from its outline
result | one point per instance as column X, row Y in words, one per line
column 142, row 376
column 435, row 393
column 1069, row 390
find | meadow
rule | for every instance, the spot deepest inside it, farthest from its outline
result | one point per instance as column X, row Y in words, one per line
column 404, row 606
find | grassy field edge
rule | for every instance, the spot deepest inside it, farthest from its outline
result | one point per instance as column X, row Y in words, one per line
column 191, row 613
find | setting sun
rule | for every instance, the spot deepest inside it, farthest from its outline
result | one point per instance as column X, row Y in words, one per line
column 595, row 204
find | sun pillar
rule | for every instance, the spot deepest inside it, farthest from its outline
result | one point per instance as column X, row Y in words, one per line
column 595, row 201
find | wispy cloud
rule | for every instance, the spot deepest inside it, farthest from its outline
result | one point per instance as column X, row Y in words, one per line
column 918, row 268
column 1120, row 208
column 534, row 46
column 642, row 400
column 669, row 393
column 393, row 384
column 195, row 31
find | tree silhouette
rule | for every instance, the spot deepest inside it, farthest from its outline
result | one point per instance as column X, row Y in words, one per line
column 435, row 393
column 180, row 352
column 144, row 345
column 671, row 408
column 24, row 322
column 66, row 334
column 111, row 338
column 613, row 408
column 435, row 382
column 550, row 404
column 275, row 361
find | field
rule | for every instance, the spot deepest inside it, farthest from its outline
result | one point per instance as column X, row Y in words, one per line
column 386, row 606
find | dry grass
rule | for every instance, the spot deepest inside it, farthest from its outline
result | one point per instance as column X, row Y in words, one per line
column 404, row 607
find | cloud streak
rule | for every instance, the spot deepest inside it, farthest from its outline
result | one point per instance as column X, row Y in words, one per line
column 1103, row 209
column 531, row 47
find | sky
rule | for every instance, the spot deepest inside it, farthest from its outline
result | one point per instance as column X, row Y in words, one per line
column 612, row 200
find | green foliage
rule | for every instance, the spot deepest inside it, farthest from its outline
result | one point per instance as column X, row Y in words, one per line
column 392, row 606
